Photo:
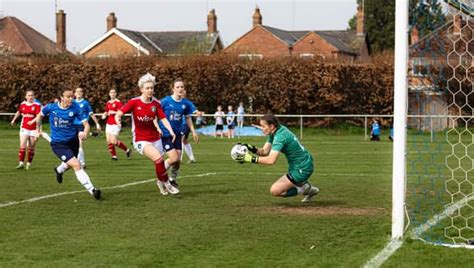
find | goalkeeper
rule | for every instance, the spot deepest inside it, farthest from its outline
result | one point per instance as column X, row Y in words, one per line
column 300, row 162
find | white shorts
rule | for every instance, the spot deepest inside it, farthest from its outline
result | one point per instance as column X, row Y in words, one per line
column 29, row 133
column 140, row 145
column 112, row 129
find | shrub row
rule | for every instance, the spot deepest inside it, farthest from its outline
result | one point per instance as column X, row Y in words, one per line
column 281, row 86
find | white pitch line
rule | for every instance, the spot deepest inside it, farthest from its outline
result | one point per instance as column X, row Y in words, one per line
column 383, row 255
column 393, row 245
column 34, row 199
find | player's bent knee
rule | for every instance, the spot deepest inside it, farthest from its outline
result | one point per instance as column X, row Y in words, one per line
column 275, row 191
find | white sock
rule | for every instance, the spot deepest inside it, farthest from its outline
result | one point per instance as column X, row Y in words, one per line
column 62, row 167
column 188, row 149
column 81, row 157
column 300, row 189
column 167, row 164
column 84, row 179
column 181, row 154
column 46, row 136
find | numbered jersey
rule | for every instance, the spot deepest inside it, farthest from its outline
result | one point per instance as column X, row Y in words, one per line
column 28, row 112
column 284, row 141
column 111, row 109
column 143, row 114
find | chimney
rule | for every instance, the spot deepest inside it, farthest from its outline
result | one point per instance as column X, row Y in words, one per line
column 61, row 31
column 211, row 22
column 457, row 24
column 360, row 21
column 111, row 21
column 414, row 35
column 257, row 17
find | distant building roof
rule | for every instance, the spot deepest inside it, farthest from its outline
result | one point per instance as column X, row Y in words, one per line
column 344, row 40
column 178, row 42
column 23, row 39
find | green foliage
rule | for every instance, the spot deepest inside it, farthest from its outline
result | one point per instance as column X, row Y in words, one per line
column 426, row 15
column 380, row 24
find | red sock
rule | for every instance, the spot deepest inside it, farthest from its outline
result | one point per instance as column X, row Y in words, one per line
column 121, row 145
column 21, row 154
column 112, row 149
column 161, row 170
column 31, row 153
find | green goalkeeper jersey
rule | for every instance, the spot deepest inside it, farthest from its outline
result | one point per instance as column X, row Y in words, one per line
column 284, row 141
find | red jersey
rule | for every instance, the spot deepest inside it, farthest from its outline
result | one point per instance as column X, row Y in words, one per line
column 111, row 109
column 28, row 112
column 143, row 114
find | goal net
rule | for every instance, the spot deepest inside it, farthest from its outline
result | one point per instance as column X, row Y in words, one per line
column 440, row 133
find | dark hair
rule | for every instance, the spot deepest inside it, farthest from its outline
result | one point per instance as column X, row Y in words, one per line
column 179, row 79
column 271, row 119
column 61, row 91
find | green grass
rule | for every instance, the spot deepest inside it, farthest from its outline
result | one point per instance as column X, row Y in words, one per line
column 224, row 218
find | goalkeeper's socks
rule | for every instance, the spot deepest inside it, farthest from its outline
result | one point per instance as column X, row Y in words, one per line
column 291, row 192
column 161, row 170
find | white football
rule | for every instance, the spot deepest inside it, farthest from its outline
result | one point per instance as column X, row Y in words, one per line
column 238, row 151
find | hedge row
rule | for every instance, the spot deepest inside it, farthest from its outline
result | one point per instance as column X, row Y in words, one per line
column 281, row 86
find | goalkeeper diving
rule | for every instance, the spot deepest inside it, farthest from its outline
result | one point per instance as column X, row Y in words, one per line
column 300, row 162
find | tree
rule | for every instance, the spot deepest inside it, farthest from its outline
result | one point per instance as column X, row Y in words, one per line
column 379, row 18
column 426, row 15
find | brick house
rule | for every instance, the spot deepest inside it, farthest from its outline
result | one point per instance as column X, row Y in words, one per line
column 266, row 41
column 22, row 41
column 437, row 65
column 117, row 42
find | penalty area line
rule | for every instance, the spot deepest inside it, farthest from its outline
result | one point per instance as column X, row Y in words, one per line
column 38, row 198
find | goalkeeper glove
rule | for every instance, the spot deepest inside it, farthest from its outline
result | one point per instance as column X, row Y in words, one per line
column 251, row 147
column 248, row 158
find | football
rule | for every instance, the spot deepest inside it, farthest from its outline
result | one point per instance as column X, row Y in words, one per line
column 238, row 151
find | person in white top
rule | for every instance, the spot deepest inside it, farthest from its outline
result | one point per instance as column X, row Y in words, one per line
column 219, row 116
column 240, row 115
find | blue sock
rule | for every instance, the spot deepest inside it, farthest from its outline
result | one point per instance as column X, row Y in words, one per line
column 291, row 192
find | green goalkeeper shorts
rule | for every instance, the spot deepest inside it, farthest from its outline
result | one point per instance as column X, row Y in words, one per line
column 300, row 174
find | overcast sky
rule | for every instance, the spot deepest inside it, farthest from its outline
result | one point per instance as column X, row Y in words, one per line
column 86, row 19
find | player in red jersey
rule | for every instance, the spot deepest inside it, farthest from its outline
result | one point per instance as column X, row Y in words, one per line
column 28, row 132
column 146, row 138
column 112, row 130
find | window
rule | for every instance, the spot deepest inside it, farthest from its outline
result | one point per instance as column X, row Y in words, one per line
column 103, row 56
column 251, row 56
column 307, row 56
column 420, row 67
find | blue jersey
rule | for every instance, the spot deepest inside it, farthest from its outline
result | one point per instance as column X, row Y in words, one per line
column 61, row 121
column 85, row 108
column 375, row 129
column 175, row 112
column 230, row 118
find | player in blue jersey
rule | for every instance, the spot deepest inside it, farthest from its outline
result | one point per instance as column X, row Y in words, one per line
column 176, row 107
column 375, row 132
column 65, row 138
column 87, row 112
column 186, row 146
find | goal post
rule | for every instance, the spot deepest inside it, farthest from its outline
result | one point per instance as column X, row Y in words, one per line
column 400, row 118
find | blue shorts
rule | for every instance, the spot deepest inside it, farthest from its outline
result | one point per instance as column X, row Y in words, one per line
column 168, row 145
column 79, row 128
column 185, row 131
column 66, row 150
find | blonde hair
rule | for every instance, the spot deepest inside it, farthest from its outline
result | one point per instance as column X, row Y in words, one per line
column 147, row 78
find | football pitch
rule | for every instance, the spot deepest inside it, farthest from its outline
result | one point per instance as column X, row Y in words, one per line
column 224, row 215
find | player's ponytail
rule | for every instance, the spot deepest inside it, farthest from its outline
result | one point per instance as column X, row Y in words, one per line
column 271, row 119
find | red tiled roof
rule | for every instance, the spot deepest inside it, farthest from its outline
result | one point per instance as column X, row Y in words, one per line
column 23, row 39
